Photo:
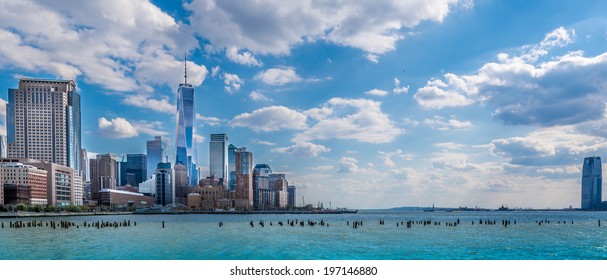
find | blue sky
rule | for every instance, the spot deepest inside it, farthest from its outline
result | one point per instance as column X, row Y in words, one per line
column 367, row 104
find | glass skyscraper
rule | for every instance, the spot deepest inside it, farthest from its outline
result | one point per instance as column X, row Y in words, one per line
column 43, row 121
column 218, row 157
column 232, row 167
column 136, row 164
column 592, row 183
column 157, row 152
column 185, row 144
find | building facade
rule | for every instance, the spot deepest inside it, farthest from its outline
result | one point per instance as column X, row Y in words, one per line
column 592, row 183
column 43, row 122
column 263, row 197
column 136, row 164
column 165, row 187
column 157, row 152
column 244, row 179
column 23, row 183
column 218, row 157
column 103, row 172
column 185, row 143
column 232, row 167
column 291, row 196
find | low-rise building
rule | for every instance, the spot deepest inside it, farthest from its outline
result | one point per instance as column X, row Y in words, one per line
column 23, row 183
column 116, row 198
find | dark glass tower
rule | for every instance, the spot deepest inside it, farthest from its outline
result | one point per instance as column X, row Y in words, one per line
column 592, row 183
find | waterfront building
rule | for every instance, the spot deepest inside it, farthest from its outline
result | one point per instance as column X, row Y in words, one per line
column 592, row 183
column 232, row 167
column 43, row 121
column 218, row 157
column 185, row 143
column 157, row 151
column 84, row 166
column 121, row 175
column 165, row 184
column 278, row 184
column 136, row 165
column 117, row 198
column 182, row 187
column 148, row 187
column 103, row 172
column 244, row 179
column 23, row 183
column 291, row 196
column 263, row 196
column 77, row 189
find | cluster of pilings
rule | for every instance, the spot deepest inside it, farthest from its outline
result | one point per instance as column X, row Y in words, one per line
column 64, row 224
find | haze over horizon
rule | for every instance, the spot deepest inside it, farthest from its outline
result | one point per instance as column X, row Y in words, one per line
column 369, row 105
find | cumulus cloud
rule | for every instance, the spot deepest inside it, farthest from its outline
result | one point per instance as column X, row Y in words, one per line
column 215, row 71
column 152, row 128
column 232, row 82
column 530, row 87
column 116, row 128
column 550, row 146
column 143, row 101
column 377, row 92
column 212, row 121
column 244, row 58
column 355, row 119
column 92, row 40
column 440, row 123
column 263, row 142
column 279, row 76
column 398, row 89
column 347, row 165
column 303, row 149
column 386, row 157
column 259, row 97
column 269, row 27
column 271, row 118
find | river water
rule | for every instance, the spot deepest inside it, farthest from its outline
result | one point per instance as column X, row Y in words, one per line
column 559, row 236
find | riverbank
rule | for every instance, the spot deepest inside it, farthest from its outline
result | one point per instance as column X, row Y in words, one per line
column 61, row 214
column 162, row 211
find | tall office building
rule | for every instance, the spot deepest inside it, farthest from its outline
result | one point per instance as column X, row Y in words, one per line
column 136, row 164
column 592, row 183
column 157, row 152
column 165, row 184
column 232, row 167
column 263, row 196
column 103, row 172
column 43, row 121
column 244, row 179
column 3, row 146
column 218, row 157
column 185, row 143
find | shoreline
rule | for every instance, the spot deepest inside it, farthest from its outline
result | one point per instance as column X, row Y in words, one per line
column 45, row 215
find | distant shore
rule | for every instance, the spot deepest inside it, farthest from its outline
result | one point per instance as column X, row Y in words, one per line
column 60, row 214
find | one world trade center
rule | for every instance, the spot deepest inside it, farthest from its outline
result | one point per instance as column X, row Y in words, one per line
column 185, row 141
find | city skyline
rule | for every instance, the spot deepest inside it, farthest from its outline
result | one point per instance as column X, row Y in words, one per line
column 453, row 103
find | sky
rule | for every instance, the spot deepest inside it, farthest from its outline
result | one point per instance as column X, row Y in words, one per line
column 362, row 104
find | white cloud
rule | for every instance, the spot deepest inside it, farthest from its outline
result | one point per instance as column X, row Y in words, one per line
column 377, row 92
column 372, row 57
column 150, row 128
column 271, row 118
column 319, row 113
column 232, row 82
column 530, row 87
column 212, row 121
column 449, row 146
column 386, row 157
column 269, row 27
column 366, row 124
column 157, row 67
column 278, row 76
column 440, row 123
column 93, row 41
column 347, row 165
column 143, row 101
column 262, row 142
column 2, row 108
column 215, row 71
column 258, row 96
column 550, row 146
column 116, row 128
column 303, row 149
column 244, row 58
column 398, row 89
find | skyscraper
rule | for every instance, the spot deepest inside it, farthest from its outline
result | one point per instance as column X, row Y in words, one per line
column 103, row 172
column 232, row 167
column 263, row 196
column 157, row 152
column 218, row 157
column 165, row 184
column 136, row 164
column 244, row 179
column 185, row 143
column 43, row 121
column 592, row 183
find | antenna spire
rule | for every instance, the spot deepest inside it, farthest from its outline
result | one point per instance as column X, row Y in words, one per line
column 185, row 67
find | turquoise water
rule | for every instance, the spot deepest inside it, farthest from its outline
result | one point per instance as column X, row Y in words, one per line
column 199, row 237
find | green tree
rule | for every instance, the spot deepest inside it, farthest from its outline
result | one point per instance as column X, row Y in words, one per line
column 21, row 207
column 37, row 208
column 51, row 208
